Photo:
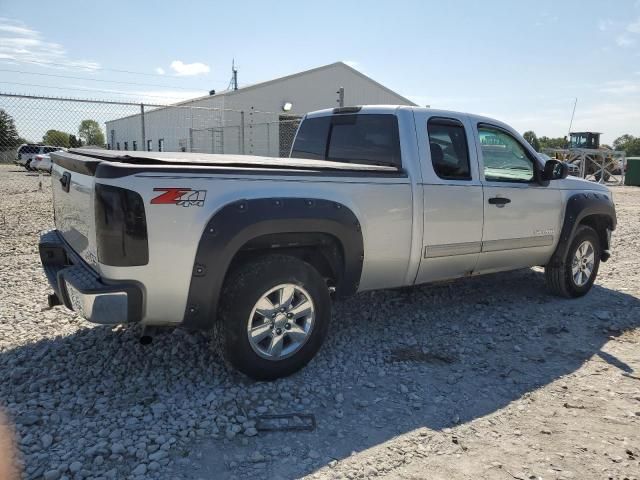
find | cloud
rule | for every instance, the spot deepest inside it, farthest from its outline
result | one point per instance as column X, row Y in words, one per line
column 605, row 24
column 20, row 43
column 621, row 87
column 634, row 27
column 160, row 71
column 158, row 97
column 625, row 40
column 189, row 69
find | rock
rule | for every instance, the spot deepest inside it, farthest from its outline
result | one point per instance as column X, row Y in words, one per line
column 141, row 469
column 339, row 398
column 117, row 448
column 75, row 467
column 602, row 315
column 251, row 432
column 404, row 389
column 159, row 455
column 27, row 419
column 46, row 440
column 51, row 475
column 256, row 457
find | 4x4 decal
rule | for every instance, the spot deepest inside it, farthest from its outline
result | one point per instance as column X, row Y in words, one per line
column 184, row 197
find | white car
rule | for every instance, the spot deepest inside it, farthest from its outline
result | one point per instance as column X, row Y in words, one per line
column 27, row 152
column 41, row 163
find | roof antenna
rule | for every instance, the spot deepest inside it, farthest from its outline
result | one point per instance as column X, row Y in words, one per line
column 234, row 74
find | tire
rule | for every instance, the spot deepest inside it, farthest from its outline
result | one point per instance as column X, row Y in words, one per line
column 245, row 287
column 562, row 279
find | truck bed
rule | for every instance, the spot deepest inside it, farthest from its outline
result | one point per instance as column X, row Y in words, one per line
column 92, row 157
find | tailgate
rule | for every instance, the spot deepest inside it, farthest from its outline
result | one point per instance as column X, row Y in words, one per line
column 72, row 181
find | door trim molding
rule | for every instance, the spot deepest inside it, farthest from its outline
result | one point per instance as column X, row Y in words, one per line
column 451, row 249
column 467, row 248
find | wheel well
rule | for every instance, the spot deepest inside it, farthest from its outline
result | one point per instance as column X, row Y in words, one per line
column 324, row 252
column 599, row 223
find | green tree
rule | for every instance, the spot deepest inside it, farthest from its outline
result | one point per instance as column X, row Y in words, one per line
column 56, row 138
column 628, row 143
column 9, row 137
column 74, row 142
column 531, row 137
column 558, row 142
column 91, row 133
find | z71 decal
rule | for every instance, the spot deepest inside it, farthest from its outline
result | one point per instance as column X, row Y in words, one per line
column 184, row 197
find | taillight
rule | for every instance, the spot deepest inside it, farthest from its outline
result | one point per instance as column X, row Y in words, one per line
column 121, row 227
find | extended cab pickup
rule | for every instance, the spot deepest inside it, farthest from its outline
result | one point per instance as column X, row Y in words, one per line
column 255, row 248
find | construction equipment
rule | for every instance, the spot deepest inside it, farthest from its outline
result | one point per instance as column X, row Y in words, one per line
column 587, row 159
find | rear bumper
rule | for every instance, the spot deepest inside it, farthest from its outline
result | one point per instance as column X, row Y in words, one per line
column 80, row 288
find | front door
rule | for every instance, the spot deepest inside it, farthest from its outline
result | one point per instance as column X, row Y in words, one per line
column 521, row 216
column 452, row 196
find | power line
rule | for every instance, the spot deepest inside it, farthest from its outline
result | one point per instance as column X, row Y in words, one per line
column 97, row 79
column 93, row 90
column 87, row 68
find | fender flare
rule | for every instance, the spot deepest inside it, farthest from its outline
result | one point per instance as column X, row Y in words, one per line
column 238, row 222
column 579, row 206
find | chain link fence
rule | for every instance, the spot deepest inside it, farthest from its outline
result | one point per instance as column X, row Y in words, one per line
column 133, row 126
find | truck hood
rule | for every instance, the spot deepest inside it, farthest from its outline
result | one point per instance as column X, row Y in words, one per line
column 576, row 183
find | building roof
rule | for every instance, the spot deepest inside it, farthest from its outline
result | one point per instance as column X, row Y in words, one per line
column 240, row 90
column 294, row 75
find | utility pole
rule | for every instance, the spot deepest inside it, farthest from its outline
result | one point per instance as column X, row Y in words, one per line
column 234, row 72
column 340, row 93
column 572, row 115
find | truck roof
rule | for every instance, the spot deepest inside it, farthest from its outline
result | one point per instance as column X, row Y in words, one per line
column 395, row 109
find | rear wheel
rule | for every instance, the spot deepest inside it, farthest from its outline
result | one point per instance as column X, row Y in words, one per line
column 274, row 316
column 575, row 274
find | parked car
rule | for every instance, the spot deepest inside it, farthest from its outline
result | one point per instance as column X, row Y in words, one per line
column 41, row 163
column 26, row 153
column 256, row 248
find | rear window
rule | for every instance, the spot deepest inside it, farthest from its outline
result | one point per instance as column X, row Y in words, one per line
column 362, row 138
column 51, row 149
column 28, row 149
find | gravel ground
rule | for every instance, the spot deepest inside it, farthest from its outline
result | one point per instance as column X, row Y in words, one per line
column 486, row 377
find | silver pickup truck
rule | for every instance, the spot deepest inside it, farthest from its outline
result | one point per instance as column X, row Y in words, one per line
column 255, row 248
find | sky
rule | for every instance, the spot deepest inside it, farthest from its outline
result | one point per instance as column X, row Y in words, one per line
column 522, row 62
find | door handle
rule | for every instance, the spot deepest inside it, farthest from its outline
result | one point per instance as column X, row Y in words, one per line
column 499, row 201
column 65, row 181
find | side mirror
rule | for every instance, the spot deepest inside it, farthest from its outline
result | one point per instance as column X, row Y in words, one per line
column 555, row 170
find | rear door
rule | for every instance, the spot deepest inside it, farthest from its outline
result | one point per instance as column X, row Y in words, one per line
column 521, row 216
column 452, row 196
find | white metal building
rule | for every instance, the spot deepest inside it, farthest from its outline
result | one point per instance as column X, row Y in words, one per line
column 259, row 119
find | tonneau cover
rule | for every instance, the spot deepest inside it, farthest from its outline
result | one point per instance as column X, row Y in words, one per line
column 222, row 160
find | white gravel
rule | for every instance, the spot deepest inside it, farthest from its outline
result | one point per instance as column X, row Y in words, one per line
column 482, row 378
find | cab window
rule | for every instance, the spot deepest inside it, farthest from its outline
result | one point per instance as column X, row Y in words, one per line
column 362, row 138
column 449, row 149
column 503, row 157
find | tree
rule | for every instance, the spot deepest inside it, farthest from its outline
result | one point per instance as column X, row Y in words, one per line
column 74, row 142
column 8, row 133
column 91, row 133
column 531, row 137
column 558, row 142
column 56, row 138
column 628, row 143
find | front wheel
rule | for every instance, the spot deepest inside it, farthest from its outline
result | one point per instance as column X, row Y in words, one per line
column 274, row 316
column 574, row 275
